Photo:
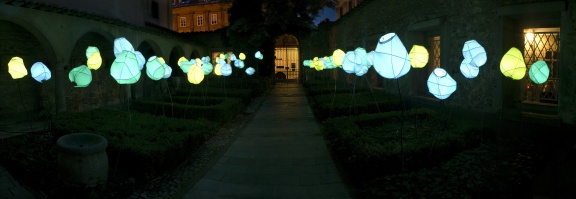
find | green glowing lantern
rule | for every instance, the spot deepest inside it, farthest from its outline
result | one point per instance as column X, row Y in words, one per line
column 250, row 71
column 512, row 64
column 418, row 56
column 391, row 59
column 185, row 65
column 125, row 69
column 80, row 75
column 94, row 59
column 155, row 68
column 328, row 62
column 440, row 84
column 16, row 68
column 196, row 74
column 474, row 52
column 40, row 72
column 539, row 72
column 338, row 57
column 361, row 63
column 121, row 44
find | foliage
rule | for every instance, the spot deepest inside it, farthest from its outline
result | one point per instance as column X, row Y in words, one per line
column 334, row 105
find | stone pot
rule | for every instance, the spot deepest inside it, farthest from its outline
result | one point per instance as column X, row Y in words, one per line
column 82, row 159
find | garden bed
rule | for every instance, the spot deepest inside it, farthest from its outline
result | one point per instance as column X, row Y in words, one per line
column 347, row 104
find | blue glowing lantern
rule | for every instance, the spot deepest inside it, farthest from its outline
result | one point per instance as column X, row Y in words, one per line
column 80, row 75
column 468, row 70
column 40, row 72
column 259, row 55
column 141, row 59
column 239, row 63
column 440, row 84
column 391, row 59
column 474, row 52
column 121, row 44
column 250, row 71
column 167, row 71
column 185, row 65
column 226, row 70
column 539, row 72
column 207, row 68
column 370, row 58
column 233, row 57
column 361, row 62
column 328, row 63
column 155, row 68
column 125, row 69
column 349, row 62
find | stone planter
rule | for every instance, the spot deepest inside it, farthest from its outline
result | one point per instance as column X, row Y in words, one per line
column 82, row 159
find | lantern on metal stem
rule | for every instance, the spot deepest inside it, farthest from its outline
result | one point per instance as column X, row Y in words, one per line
column 418, row 56
column 125, row 69
column 391, row 59
column 155, row 68
column 94, row 59
column 440, row 84
column 80, row 75
column 40, row 72
column 512, row 64
column 539, row 72
column 121, row 44
column 16, row 68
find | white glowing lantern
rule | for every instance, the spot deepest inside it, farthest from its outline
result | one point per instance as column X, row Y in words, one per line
column 440, row 84
column 391, row 59
column 121, row 44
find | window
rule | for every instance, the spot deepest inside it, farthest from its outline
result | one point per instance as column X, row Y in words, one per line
column 434, row 51
column 200, row 20
column 182, row 21
column 213, row 19
column 541, row 44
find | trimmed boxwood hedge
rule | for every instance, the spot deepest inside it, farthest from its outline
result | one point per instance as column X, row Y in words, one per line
column 140, row 145
column 218, row 109
column 345, row 104
column 204, row 91
column 369, row 145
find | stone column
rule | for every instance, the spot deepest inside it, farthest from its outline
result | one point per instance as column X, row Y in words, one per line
column 60, row 76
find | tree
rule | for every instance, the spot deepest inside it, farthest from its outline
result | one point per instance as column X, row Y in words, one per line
column 255, row 24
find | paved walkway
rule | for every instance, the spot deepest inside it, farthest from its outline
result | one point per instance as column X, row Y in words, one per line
column 279, row 154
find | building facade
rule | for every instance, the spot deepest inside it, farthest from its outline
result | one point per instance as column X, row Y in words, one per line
column 345, row 6
column 199, row 15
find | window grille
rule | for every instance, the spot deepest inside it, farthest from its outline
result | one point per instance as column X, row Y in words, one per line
column 541, row 44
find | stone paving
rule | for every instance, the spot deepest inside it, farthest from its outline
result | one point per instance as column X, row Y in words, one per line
column 279, row 154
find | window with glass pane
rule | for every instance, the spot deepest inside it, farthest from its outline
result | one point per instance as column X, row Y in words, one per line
column 200, row 20
column 182, row 21
column 213, row 19
column 541, row 44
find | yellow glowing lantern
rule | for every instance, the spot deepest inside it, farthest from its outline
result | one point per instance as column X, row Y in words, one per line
column 338, row 57
column 16, row 68
column 181, row 60
column 418, row 56
column 242, row 56
column 217, row 69
column 195, row 74
column 95, row 61
column 512, row 64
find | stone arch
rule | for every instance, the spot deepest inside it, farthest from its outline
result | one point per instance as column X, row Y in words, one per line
column 287, row 57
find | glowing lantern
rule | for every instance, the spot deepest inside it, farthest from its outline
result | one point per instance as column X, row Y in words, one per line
column 121, row 44
column 239, row 63
column 167, row 71
column 250, row 71
column 91, row 50
column 539, row 72
column 369, row 58
column 195, row 75
column 221, row 56
column 125, row 69
column 512, row 64
column 16, row 68
column 391, row 59
column 233, row 57
column 474, row 52
column 40, row 72
column 226, row 70
column 307, row 63
column 185, row 65
column 207, row 59
column 155, row 68
column 418, row 56
column 141, row 59
column 95, row 61
column 338, row 57
column 207, row 68
column 217, row 69
column 328, row 63
column 259, row 55
column 361, row 63
column 440, row 84
column 80, row 75
column 468, row 70
column 319, row 64
column 181, row 60
column 242, row 56
column 349, row 62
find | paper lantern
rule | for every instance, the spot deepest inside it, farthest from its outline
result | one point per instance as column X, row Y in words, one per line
column 250, row 71
column 468, row 70
column 338, row 57
column 167, row 71
column 239, row 63
column 95, row 61
column 328, row 62
column 474, row 52
column 349, row 62
column 155, row 68
column 40, row 72
column 317, row 64
column 217, row 69
column 195, row 74
column 91, row 50
column 259, row 55
column 306, row 63
column 539, row 72
column 242, row 56
column 226, row 70
column 180, row 60
column 16, row 68
column 185, row 65
column 220, row 61
column 207, row 68
column 141, row 59
column 391, row 59
column 418, row 56
column 440, row 84
column 221, row 56
column 370, row 58
column 361, row 63
column 233, row 57
column 512, row 64
column 207, row 59
column 126, row 69
column 121, row 44
column 80, row 75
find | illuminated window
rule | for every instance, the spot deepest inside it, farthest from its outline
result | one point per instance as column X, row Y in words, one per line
column 200, row 20
column 434, row 49
column 541, row 44
column 213, row 19
column 182, row 21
